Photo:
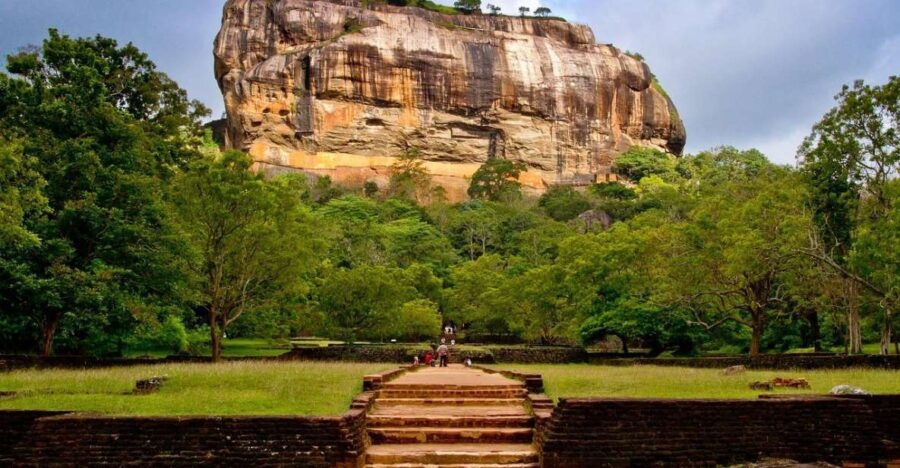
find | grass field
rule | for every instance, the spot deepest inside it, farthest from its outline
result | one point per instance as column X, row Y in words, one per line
column 230, row 388
column 584, row 380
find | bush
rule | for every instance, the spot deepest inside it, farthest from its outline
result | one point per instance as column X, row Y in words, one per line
column 169, row 336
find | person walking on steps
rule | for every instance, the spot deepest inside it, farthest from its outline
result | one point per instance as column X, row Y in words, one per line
column 443, row 354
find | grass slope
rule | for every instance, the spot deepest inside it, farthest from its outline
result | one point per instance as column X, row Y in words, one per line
column 584, row 380
column 231, row 388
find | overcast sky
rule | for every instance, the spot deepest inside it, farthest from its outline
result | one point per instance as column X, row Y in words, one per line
column 748, row 73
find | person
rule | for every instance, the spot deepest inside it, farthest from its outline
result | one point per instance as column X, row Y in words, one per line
column 468, row 362
column 429, row 357
column 443, row 354
column 415, row 360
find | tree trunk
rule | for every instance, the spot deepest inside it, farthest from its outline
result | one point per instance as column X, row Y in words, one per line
column 815, row 333
column 215, row 337
column 48, row 331
column 47, row 348
column 886, row 333
column 853, row 325
column 757, row 333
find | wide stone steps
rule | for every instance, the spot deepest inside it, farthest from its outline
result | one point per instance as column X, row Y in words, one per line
column 449, row 435
column 453, row 393
column 413, row 420
column 451, row 418
column 455, row 465
column 507, row 455
column 385, row 402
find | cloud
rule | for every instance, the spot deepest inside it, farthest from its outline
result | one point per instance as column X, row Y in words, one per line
column 750, row 72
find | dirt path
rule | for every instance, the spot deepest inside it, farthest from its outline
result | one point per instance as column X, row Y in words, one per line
column 451, row 417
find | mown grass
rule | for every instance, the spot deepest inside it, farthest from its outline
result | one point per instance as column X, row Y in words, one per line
column 229, row 388
column 585, row 380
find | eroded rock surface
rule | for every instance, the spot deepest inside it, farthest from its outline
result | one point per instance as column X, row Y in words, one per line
column 334, row 88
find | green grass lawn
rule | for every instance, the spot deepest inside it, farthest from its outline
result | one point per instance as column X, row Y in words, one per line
column 585, row 380
column 229, row 388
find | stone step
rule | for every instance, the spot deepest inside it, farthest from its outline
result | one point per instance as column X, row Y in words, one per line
column 416, row 420
column 452, row 393
column 422, row 386
column 383, row 402
column 451, row 454
column 444, row 435
column 455, row 465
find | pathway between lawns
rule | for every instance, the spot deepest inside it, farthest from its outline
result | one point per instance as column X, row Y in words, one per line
column 452, row 417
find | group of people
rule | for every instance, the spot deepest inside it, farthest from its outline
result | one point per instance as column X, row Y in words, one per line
column 443, row 356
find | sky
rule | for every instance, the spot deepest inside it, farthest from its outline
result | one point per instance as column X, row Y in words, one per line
column 746, row 73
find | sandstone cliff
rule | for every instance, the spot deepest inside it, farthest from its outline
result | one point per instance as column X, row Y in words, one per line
column 332, row 87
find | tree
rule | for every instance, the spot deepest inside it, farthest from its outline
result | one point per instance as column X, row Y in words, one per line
column 497, row 179
column 848, row 159
column 639, row 162
column 409, row 177
column 729, row 261
column 362, row 301
column 417, row 321
column 563, row 203
column 542, row 12
column 468, row 6
column 252, row 239
column 92, row 132
column 523, row 11
column 494, row 9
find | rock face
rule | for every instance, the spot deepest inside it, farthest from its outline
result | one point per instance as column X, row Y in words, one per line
column 337, row 88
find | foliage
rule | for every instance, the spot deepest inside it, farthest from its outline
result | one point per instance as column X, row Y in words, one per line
column 251, row 239
column 563, row 203
column 639, row 162
column 409, row 177
column 851, row 161
column 542, row 11
column 89, row 134
column 468, row 6
column 359, row 301
column 523, row 11
column 418, row 320
column 497, row 180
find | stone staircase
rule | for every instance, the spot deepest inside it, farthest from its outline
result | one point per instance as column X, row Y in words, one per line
column 451, row 417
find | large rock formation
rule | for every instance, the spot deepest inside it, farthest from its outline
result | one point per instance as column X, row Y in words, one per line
column 333, row 87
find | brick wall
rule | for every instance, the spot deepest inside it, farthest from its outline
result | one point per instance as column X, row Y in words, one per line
column 41, row 439
column 638, row 432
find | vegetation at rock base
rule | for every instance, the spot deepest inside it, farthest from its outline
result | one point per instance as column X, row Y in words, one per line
column 226, row 389
column 124, row 227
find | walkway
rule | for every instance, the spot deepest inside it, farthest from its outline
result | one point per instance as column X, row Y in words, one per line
column 451, row 417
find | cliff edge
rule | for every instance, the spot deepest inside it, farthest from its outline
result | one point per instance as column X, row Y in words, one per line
column 334, row 87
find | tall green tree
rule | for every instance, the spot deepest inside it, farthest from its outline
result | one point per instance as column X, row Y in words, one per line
column 728, row 262
column 252, row 239
column 849, row 159
column 92, row 132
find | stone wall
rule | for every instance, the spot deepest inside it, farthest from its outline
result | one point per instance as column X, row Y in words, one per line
column 643, row 432
column 40, row 439
column 766, row 361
